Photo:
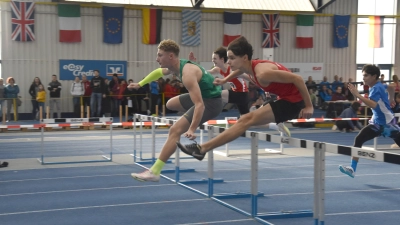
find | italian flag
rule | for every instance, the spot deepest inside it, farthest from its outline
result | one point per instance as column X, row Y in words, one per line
column 305, row 31
column 69, row 17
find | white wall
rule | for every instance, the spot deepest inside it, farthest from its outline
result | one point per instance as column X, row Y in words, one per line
column 24, row 61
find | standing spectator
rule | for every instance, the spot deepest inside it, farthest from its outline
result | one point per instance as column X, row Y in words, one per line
column 119, row 95
column 11, row 92
column 382, row 79
column 130, row 94
column 336, row 83
column 33, row 89
column 154, row 90
column 77, row 90
column 55, row 94
column 395, row 84
column 106, row 102
column 324, row 82
column 161, row 86
column 87, row 93
column 169, row 92
column 311, row 84
column 41, row 99
column 2, row 98
column 114, row 86
column 98, row 92
column 143, row 93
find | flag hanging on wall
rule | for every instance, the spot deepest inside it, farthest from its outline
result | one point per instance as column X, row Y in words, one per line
column 232, row 26
column 191, row 26
column 270, row 31
column 113, row 18
column 376, row 31
column 22, row 21
column 305, row 31
column 69, row 17
column 152, row 19
column 341, row 31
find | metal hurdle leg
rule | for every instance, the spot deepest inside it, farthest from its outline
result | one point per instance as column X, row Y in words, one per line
column 321, row 204
column 254, row 173
column 317, row 169
column 210, row 167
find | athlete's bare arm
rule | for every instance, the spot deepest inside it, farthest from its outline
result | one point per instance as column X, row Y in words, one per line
column 191, row 74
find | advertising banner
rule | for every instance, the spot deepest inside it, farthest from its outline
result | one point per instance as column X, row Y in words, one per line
column 69, row 69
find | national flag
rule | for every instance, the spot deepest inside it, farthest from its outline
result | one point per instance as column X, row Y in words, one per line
column 22, row 21
column 69, row 17
column 152, row 19
column 341, row 31
column 232, row 26
column 191, row 25
column 270, row 30
column 113, row 18
column 376, row 31
column 305, row 31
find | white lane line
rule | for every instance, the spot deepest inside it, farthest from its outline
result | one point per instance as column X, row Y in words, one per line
column 367, row 212
column 57, row 178
column 213, row 222
column 85, row 189
column 101, row 206
column 333, row 192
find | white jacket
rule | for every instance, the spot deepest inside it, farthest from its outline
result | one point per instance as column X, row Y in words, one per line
column 77, row 89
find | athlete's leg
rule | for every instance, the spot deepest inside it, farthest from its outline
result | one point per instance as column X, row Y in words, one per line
column 225, row 96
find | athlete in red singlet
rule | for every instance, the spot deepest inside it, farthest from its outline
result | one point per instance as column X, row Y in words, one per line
column 294, row 100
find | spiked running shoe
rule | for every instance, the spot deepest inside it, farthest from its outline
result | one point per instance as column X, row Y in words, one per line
column 347, row 170
column 282, row 128
column 146, row 175
column 192, row 149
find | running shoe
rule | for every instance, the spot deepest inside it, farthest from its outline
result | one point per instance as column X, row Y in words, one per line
column 347, row 170
column 146, row 175
column 192, row 149
column 282, row 128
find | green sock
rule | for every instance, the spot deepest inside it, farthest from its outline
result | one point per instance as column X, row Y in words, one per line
column 157, row 167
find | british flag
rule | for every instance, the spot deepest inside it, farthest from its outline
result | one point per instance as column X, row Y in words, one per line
column 23, row 21
column 270, row 31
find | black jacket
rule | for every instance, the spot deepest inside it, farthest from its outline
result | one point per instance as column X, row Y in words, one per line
column 57, row 92
column 100, row 87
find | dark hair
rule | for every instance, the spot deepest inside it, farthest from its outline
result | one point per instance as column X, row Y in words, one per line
column 33, row 82
column 96, row 70
column 221, row 52
column 355, row 106
column 240, row 47
column 54, row 75
column 130, row 80
column 115, row 75
column 371, row 70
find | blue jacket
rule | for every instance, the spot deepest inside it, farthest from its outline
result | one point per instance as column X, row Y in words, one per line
column 350, row 113
column 154, row 89
column 11, row 91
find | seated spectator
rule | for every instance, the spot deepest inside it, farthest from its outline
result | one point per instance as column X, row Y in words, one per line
column 324, row 82
column 311, row 84
column 347, row 93
column 336, row 83
column 325, row 94
column 313, row 97
column 338, row 95
column 349, row 125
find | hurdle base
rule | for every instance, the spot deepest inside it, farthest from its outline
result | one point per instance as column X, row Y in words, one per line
column 180, row 170
column 236, row 195
column 107, row 159
column 272, row 151
column 285, row 214
column 150, row 161
column 202, row 181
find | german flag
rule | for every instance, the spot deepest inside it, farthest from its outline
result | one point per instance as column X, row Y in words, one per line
column 376, row 31
column 151, row 26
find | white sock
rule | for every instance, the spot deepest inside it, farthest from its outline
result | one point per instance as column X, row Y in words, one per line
column 273, row 126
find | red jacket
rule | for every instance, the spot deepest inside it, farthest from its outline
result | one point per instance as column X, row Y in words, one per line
column 169, row 91
column 88, row 90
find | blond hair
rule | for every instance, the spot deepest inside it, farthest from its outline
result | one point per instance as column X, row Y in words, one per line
column 169, row 46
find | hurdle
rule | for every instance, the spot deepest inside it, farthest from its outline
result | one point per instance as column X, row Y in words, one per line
column 376, row 139
column 319, row 149
column 84, row 122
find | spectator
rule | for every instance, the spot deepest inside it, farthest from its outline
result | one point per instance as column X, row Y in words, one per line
column 120, row 94
column 396, row 108
column 114, row 86
column 395, row 84
column 365, row 88
column 87, row 93
column 41, row 99
column 99, row 88
column 311, row 84
column 2, row 98
column 324, row 82
column 33, row 89
column 313, row 97
column 77, row 90
column 336, row 83
column 349, row 125
column 131, row 96
column 170, row 91
column 325, row 94
column 55, row 94
column 338, row 95
column 11, row 93
column 143, row 93
column 346, row 92
column 106, row 107
column 382, row 79
column 154, row 90
column 161, row 98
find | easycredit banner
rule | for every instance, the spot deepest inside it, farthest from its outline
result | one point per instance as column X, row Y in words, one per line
column 69, row 69
column 316, row 70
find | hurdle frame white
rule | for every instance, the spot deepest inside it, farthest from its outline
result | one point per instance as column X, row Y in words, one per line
column 104, row 121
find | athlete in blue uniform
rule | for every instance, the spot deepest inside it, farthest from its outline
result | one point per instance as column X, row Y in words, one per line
column 382, row 121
